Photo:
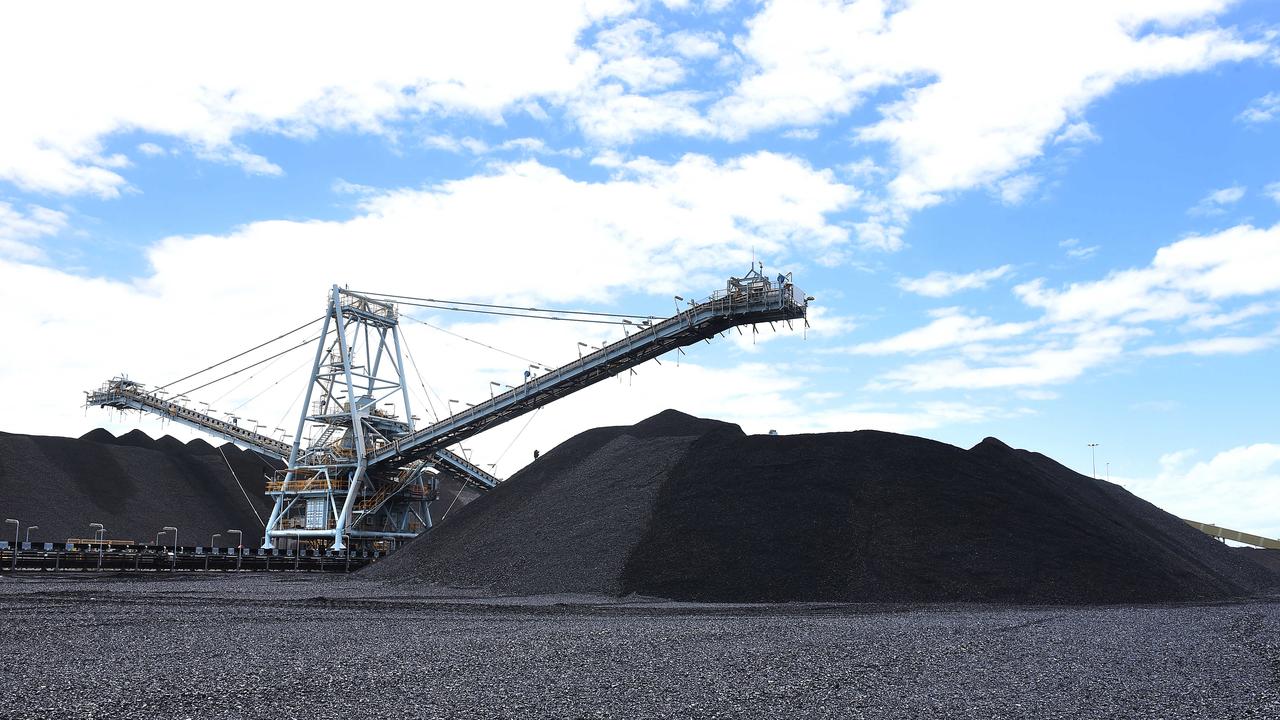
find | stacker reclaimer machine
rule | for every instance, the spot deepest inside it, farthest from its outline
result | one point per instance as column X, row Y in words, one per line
column 368, row 474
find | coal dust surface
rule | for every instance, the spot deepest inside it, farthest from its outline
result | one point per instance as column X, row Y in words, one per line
column 691, row 509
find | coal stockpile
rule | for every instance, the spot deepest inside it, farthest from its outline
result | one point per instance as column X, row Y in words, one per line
column 1269, row 559
column 134, row 485
column 691, row 509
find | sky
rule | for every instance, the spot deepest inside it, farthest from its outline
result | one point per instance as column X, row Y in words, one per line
column 1055, row 223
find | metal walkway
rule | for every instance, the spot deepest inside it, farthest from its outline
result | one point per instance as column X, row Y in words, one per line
column 124, row 394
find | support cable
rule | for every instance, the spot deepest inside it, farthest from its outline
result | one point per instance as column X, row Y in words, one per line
column 240, row 355
column 249, row 367
column 430, row 406
column 477, row 342
column 524, row 427
column 237, row 479
column 518, row 315
column 405, row 298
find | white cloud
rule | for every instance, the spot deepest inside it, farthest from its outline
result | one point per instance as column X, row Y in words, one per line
column 1182, row 281
column 1213, row 346
column 969, row 115
column 1076, row 250
column 1216, row 320
column 654, row 229
column 1216, row 202
column 18, row 229
column 1261, row 110
column 942, row 284
column 611, row 115
column 1238, row 488
column 474, row 146
column 1077, row 133
column 1087, row 325
column 152, row 149
column 696, row 45
column 1015, row 189
column 949, row 328
column 228, row 78
column 801, row 134
column 1272, row 191
column 1055, row 362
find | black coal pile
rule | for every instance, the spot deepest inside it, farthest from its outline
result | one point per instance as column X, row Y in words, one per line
column 1269, row 559
column 692, row 509
column 133, row 485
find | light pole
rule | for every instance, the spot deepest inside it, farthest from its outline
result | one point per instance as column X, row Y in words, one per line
column 213, row 546
column 16, row 525
column 451, row 403
column 157, row 542
column 1093, row 453
column 239, row 541
column 29, row 529
column 101, row 533
column 169, row 528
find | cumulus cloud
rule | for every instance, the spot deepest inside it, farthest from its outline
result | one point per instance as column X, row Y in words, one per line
column 1272, row 191
column 1183, row 280
column 19, row 228
column 1017, row 188
column 296, row 69
column 650, row 230
column 1237, row 488
column 1193, row 285
column 941, row 284
column 1217, row 201
column 950, row 327
column 1213, row 346
column 1262, row 110
column 1056, row 360
column 1078, row 251
column 969, row 116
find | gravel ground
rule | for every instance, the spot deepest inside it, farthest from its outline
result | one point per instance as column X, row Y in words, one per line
column 319, row 647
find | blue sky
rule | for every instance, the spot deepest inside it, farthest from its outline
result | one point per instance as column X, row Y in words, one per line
column 1055, row 223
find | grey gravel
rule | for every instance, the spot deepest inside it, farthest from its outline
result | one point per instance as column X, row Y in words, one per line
column 284, row 646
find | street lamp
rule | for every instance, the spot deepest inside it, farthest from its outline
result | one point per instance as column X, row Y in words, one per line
column 213, row 546
column 16, row 526
column 169, row 528
column 580, row 346
column 1093, row 454
column 100, row 532
column 29, row 529
column 239, row 541
column 451, row 403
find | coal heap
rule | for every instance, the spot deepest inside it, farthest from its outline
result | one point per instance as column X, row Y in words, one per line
column 132, row 484
column 692, row 509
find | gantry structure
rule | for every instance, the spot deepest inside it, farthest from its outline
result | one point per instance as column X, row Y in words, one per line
column 365, row 472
